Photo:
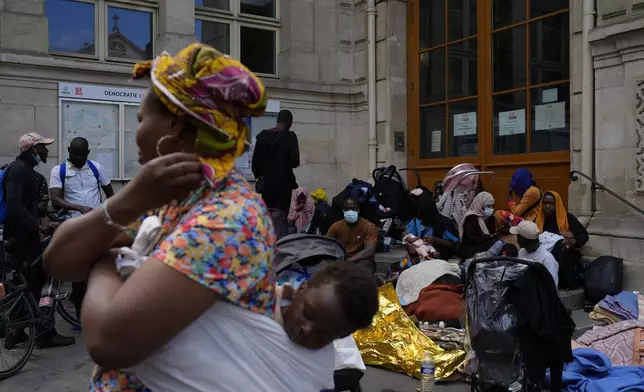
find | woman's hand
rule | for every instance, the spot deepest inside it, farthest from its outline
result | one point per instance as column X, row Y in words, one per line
column 162, row 180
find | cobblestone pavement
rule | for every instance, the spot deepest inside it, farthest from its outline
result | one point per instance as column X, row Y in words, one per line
column 67, row 370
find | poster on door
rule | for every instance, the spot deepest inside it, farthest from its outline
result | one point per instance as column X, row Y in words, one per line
column 465, row 124
column 512, row 122
column 550, row 116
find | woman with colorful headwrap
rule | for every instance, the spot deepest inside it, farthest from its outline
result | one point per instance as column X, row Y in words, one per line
column 181, row 320
column 556, row 220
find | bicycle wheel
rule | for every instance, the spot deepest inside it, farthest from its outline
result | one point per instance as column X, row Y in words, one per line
column 64, row 306
column 17, row 331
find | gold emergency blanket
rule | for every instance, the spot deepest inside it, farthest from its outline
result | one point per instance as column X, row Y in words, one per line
column 394, row 342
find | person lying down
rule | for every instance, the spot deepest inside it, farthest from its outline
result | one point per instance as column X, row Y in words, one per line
column 339, row 299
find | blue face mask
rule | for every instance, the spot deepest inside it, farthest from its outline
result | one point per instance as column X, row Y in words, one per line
column 37, row 158
column 488, row 212
column 351, row 216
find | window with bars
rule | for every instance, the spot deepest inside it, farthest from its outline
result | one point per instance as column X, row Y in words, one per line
column 245, row 29
column 105, row 30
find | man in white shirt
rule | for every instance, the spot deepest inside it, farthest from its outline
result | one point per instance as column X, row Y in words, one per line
column 76, row 184
column 528, row 238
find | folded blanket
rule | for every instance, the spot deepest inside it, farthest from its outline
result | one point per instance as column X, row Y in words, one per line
column 624, row 305
column 592, row 371
column 438, row 302
column 601, row 314
column 618, row 341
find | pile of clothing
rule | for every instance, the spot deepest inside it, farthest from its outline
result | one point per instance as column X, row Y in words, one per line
column 623, row 306
column 432, row 291
column 445, row 337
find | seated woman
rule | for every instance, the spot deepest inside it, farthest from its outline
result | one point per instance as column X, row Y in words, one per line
column 432, row 228
column 479, row 229
column 555, row 219
column 524, row 186
column 181, row 321
column 458, row 192
column 321, row 221
column 302, row 209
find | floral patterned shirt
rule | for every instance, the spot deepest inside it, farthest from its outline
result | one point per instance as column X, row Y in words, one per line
column 223, row 239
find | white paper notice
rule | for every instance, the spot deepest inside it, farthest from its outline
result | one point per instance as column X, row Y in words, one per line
column 512, row 122
column 549, row 95
column 465, row 124
column 550, row 116
column 436, row 140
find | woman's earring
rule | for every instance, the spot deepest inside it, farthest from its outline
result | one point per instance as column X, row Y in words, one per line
column 172, row 138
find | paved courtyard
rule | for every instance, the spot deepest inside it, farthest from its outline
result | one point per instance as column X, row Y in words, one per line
column 67, row 370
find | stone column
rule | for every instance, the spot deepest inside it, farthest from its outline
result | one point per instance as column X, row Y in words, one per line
column 391, row 73
column 23, row 26
column 176, row 25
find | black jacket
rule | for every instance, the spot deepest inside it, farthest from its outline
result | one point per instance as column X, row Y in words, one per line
column 546, row 326
column 21, row 192
column 276, row 162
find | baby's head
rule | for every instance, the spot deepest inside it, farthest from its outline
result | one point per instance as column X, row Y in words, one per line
column 337, row 301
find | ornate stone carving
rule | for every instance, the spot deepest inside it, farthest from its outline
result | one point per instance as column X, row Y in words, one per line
column 639, row 131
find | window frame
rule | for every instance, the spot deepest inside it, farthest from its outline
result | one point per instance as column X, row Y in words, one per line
column 101, row 24
column 96, row 55
column 486, row 93
column 105, row 33
column 222, row 20
column 120, row 176
column 236, row 20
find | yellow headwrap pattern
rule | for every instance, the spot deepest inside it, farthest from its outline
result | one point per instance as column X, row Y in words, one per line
column 217, row 92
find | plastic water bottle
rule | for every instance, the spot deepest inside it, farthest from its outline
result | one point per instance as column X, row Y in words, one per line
column 427, row 369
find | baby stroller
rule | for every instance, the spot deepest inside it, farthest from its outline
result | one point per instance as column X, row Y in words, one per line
column 298, row 256
column 517, row 326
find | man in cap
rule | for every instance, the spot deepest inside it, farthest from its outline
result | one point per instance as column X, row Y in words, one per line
column 22, row 227
column 528, row 238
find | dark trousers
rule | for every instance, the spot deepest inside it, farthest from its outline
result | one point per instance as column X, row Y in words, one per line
column 569, row 263
column 278, row 200
column 24, row 253
column 78, row 295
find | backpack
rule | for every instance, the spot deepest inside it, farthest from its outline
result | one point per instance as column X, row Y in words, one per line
column 604, row 276
column 3, row 202
column 92, row 167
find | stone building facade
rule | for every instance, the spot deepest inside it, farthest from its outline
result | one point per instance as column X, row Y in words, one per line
column 315, row 66
column 314, row 61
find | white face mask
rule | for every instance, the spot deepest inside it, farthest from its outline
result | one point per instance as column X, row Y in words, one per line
column 351, row 216
column 488, row 212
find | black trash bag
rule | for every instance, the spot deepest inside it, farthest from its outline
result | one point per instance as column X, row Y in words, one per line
column 391, row 192
column 604, row 276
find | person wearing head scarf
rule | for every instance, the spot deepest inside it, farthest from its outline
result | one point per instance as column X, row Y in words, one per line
column 321, row 221
column 478, row 231
column 525, row 188
column 209, row 282
column 556, row 220
column 302, row 209
column 458, row 192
